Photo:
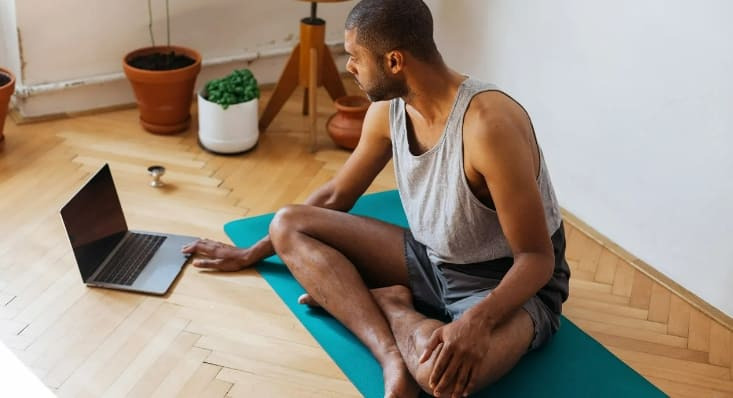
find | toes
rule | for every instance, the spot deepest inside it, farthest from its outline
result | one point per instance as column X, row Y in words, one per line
column 306, row 299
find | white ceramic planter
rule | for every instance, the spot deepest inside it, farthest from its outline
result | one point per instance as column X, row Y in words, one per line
column 233, row 130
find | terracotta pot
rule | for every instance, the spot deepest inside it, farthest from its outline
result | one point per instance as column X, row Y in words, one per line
column 164, row 97
column 344, row 126
column 6, row 91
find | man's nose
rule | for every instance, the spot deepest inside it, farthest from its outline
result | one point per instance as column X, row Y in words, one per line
column 350, row 67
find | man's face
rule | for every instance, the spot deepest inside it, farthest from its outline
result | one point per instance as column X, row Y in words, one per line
column 371, row 73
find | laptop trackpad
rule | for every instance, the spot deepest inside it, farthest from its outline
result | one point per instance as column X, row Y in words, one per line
column 162, row 269
column 158, row 278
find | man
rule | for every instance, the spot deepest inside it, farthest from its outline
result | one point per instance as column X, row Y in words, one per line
column 480, row 276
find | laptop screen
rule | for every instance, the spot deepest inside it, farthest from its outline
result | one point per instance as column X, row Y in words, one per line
column 94, row 222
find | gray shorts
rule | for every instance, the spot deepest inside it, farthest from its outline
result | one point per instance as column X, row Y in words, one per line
column 445, row 291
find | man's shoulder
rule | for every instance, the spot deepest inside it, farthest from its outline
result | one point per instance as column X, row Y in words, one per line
column 377, row 120
column 492, row 104
column 491, row 115
column 380, row 106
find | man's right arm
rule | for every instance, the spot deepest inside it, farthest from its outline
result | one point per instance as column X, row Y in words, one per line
column 340, row 193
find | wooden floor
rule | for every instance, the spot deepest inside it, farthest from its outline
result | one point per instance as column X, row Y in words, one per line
column 220, row 335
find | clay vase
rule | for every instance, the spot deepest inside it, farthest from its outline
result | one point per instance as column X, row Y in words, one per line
column 6, row 91
column 344, row 126
column 163, row 96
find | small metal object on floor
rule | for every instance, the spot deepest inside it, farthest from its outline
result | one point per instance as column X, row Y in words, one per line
column 156, row 171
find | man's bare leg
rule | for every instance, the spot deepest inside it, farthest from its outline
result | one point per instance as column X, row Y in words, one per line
column 412, row 330
column 332, row 254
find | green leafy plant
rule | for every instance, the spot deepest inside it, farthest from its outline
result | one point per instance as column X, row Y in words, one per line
column 240, row 86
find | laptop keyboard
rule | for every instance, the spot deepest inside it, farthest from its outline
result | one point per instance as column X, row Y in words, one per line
column 130, row 259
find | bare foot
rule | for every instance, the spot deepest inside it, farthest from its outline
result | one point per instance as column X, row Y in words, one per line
column 398, row 383
column 306, row 299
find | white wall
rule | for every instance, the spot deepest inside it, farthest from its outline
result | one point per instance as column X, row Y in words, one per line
column 74, row 41
column 9, row 57
column 460, row 30
column 633, row 104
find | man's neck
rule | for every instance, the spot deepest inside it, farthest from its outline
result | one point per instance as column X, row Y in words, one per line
column 432, row 91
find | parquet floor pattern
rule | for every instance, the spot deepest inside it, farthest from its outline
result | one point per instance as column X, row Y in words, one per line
column 229, row 335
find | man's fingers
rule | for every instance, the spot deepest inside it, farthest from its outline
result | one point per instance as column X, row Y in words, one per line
column 460, row 388
column 439, row 366
column 197, row 246
column 430, row 346
column 221, row 256
column 207, row 248
column 220, row 250
column 190, row 247
column 207, row 263
column 446, row 383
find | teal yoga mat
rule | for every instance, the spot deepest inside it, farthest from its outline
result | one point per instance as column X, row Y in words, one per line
column 571, row 365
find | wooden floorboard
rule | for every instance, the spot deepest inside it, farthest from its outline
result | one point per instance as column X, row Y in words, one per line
column 230, row 335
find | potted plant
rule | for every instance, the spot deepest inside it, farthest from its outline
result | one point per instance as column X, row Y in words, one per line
column 163, row 79
column 227, row 112
column 7, row 87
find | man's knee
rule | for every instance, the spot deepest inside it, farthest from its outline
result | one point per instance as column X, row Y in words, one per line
column 287, row 220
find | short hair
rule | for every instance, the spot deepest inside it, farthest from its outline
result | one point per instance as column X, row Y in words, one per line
column 386, row 25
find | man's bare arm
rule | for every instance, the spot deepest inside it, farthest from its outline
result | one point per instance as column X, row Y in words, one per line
column 500, row 150
column 368, row 159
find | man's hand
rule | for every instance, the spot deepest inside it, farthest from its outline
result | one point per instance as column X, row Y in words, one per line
column 222, row 257
column 461, row 344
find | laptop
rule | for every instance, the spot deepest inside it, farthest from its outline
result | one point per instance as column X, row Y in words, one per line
column 107, row 253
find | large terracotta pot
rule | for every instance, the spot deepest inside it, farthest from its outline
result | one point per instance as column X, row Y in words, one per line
column 6, row 91
column 344, row 126
column 164, row 97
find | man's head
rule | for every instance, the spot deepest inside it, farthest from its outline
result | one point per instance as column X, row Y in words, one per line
column 380, row 34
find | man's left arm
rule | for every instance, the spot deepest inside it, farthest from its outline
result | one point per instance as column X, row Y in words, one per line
column 498, row 149
column 506, row 162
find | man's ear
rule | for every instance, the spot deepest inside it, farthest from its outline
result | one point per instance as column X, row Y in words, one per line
column 395, row 61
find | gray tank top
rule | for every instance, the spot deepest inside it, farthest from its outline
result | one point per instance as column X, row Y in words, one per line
column 442, row 211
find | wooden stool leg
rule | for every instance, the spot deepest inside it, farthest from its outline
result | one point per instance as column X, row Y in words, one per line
column 331, row 77
column 313, row 83
column 283, row 90
column 305, row 102
column 298, row 71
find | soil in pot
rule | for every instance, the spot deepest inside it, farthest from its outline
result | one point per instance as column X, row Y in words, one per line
column 161, row 61
column 4, row 79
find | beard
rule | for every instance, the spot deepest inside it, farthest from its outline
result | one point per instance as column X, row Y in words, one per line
column 386, row 87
